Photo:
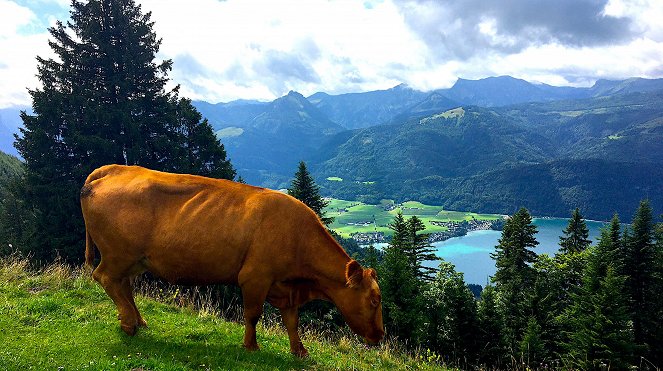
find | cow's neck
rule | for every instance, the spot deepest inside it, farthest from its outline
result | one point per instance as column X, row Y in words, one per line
column 327, row 264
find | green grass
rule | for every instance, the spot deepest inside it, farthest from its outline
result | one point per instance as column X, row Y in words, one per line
column 347, row 214
column 334, row 179
column 61, row 319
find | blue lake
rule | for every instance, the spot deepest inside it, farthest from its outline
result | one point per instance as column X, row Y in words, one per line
column 471, row 253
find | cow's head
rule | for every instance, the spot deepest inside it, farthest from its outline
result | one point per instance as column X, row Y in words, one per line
column 362, row 307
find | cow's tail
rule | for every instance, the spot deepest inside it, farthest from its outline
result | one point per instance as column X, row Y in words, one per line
column 85, row 195
column 89, row 250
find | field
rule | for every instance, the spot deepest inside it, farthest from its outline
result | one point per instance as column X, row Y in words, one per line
column 60, row 319
column 357, row 217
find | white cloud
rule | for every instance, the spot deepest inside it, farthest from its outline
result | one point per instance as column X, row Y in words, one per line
column 225, row 50
column 18, row 66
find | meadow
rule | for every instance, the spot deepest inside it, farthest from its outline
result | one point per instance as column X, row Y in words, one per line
column 58, row 318
column 356, row 217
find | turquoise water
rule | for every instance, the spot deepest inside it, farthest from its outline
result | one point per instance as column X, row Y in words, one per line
column 471, row 253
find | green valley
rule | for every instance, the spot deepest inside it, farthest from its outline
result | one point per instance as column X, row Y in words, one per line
column 362, row 220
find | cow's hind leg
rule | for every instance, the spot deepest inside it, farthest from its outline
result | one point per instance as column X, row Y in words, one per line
column 114, row 282
column 127, row 285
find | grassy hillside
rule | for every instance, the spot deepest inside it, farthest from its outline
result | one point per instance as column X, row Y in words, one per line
column 57, row 318
column 10, row 167
column 358, row 217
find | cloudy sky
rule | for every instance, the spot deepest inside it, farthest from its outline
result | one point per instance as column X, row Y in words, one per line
column 226, row 50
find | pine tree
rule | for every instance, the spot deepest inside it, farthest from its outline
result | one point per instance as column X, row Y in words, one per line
column 532, row 348
column 514, row 278
column 576, row 235
column 451, row 316
column 303, row 188
column 401, row 291
column 641, row 268
column 101, row 101
column 419, row 249
column 202, row 154
column 490, row 339
column 601, row 328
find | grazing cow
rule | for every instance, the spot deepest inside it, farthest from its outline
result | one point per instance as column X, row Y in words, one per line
column 197, row 231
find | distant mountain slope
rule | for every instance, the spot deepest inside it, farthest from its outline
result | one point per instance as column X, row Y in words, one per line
column 360, row 110
column 271, row 144
column 232, row 114
column 601, row 154
column 10, row 167
column 507, row 90
column 10, row 121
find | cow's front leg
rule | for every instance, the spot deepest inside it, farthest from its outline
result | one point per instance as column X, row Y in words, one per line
column 253, row 297
column 290, row 316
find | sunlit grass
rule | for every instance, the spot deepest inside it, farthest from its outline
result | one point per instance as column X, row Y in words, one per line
column 59, row 318
column 357, row 217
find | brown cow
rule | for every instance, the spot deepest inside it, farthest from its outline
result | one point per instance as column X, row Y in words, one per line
column 198, row 231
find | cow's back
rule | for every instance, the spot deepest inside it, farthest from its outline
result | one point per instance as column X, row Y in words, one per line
column 184, row 228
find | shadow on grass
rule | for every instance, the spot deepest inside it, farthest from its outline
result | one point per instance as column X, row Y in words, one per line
column 195, row 352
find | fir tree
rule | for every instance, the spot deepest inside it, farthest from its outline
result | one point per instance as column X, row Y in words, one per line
column 576, row 235
column 641, row 266
column 202, row 153
column 419, row 249
column 451, row 316
column 532, row 347
column 303, row 188
column 601, row 328
column 401, row 299
column 515, row 277
column 101, row 101
column 491, row 342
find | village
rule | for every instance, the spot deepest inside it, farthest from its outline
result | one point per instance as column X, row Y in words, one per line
column 454, row 229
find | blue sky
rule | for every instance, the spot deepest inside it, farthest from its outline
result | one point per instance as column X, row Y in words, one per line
column 250, row 49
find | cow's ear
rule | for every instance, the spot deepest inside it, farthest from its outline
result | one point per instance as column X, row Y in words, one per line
column 353, row 273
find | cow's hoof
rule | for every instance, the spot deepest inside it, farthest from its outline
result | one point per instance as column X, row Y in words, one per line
column 129, row 329
column 142, row 323
column 300, row 353
column 251, row 347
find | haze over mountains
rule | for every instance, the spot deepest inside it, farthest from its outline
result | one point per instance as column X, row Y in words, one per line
column 489, row 145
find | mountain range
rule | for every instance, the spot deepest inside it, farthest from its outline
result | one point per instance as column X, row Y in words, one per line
column 489, row 145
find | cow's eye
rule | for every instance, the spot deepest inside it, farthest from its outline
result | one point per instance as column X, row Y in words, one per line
column 375, row 302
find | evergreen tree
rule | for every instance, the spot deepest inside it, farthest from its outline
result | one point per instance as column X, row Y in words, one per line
column 419, row 249
column 202, row 153
column 303, row 188
column 401, row 299
column 372, row 257
column 602, row 332
column 576, row 235
column 451, row 316
column 641, row 266
column 515, row 277
column 490, row 339
column 101, row 101
column 532, row 346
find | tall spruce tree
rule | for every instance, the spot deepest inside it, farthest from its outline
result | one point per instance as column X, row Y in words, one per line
column 451, row 316
column 303, row 188
column 102, row 100
column 642, row 269
column 576, row 235
column 515, row 277
column 419, row 249
column 200, row 150
column 401, row 291
column 490, row 338
column 601, row 332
